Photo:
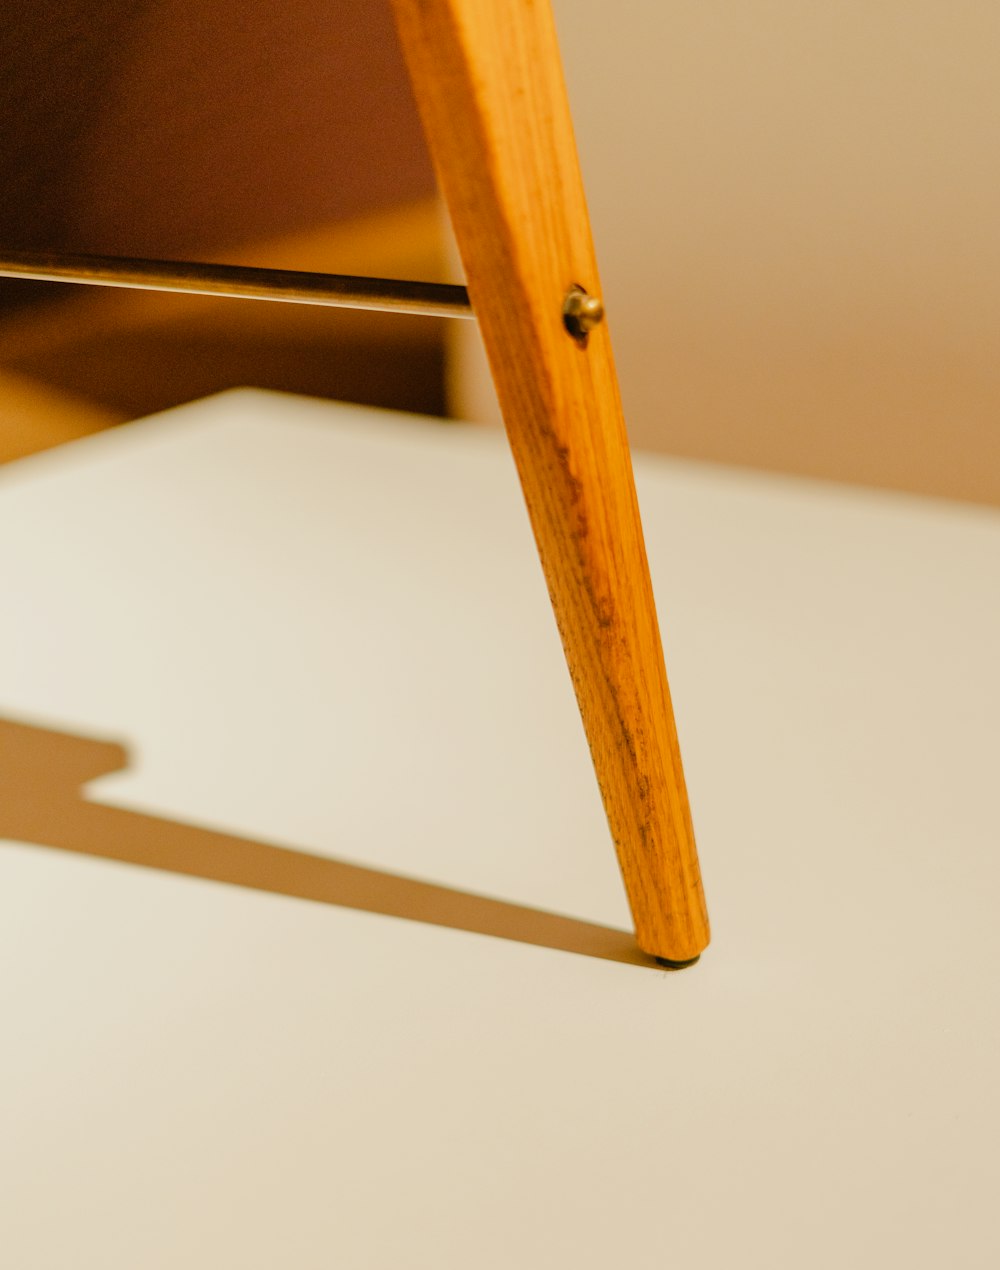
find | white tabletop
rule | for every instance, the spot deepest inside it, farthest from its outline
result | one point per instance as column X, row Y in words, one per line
column 325, row 628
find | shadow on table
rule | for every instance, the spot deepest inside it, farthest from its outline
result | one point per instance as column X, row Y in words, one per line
column 42, row 803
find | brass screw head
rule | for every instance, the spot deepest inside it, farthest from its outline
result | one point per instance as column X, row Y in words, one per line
column 581, row 312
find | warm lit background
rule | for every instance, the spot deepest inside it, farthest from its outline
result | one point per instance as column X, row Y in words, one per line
column 796, row 210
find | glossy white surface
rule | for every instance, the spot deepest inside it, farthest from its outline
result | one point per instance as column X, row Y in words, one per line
column 326, row 627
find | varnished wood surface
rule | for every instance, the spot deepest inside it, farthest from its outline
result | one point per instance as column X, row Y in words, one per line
column 489, row 85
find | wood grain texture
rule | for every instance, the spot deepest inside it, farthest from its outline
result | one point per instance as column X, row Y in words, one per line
column 488, row 81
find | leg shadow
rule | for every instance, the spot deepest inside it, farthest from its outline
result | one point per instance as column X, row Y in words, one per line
column 42, row 803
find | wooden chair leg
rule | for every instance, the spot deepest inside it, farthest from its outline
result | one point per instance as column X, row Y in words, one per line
column 488, row 81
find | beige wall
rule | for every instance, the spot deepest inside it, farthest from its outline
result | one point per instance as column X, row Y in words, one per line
column 797, row 211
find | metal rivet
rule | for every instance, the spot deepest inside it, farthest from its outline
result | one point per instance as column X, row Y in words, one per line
column 581, row 312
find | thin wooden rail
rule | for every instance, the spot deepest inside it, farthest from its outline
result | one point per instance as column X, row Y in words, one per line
column 431, row 299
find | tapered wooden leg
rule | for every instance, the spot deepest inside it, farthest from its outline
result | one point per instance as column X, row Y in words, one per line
column 488, row 81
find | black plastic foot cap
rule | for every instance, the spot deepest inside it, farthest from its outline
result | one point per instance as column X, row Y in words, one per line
column 676, row 965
